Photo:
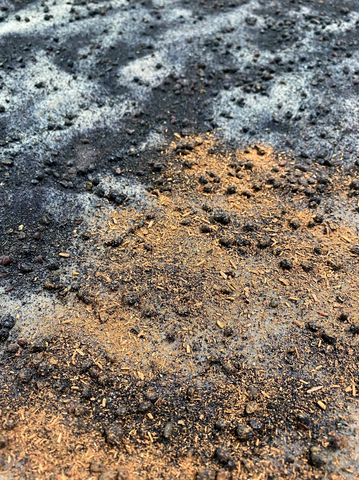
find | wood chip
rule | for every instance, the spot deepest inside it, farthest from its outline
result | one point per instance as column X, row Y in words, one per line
column 345, row 238
column 315, row 389
column 65, row 255
column 322, row 405
column 298, row 324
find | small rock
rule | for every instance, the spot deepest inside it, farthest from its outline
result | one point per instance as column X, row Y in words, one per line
column 124, row 474
column 96, row 466
column 12, row 348
column 312, row 326
column 343, row 317
column 225, row 241
column 294, row 223
column 109, row 475
column 114, row 434
column 87, row 393
column 253, row 392
column 144, row 407
column 307, row 266
column 206, row 474
column 255, row 424
column 338, row 442
column 80, row 410
column 327, row 338
column 121, row 411
column 220, row 425
column 274, row 303
column 151, row 395
column 111, row 357
column 130, row 298
column 251, row 407
column 286, row 264
column 206, row 228
column 167, row 432
column 303, row 419
column 114, row 242
column 232, row 189
column 335, row 264
column 5, row 260
column 354, row 329
column 7, row 321
column 22, row 343
column 53, row 266
column 264, row 242
column 316, row 457
column 222, row 218
column 25, row 375
column 244, row 432
column 9, row 424
column 4, row 334
column 3, row 441
column 39, row 345
column 251, row 21
column 223, row 455
column 223, row 475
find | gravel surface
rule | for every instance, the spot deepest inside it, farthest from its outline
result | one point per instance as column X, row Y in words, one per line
column 179, row 201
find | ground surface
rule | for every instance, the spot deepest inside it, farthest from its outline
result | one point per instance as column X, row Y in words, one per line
column 179, row 204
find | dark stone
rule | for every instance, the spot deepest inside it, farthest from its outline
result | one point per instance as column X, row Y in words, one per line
column 286, row 264
column 335, row 264
column 294, row 223
column 7, row 321
column 231, row 190
column 343, row 317
column 3, row 441
column 307, row 266
column 130, row 298
column 39, row 345
column 226, row 241
column 328, row 338
column 265, row 242
column 4, row 334
column 316, row 457
column 114, row 242
column 206, row 228
column 312, row 326
column 222, row 218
